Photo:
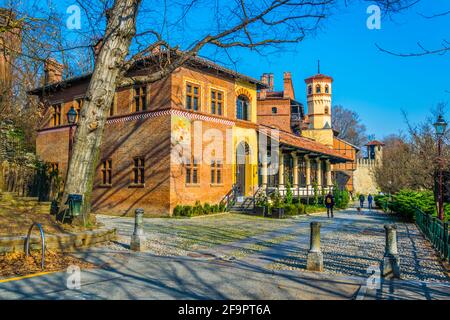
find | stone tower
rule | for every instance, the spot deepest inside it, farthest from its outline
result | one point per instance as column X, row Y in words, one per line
column 318, row 92
column 363, row 178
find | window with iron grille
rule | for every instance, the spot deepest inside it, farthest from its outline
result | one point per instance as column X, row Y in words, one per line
column 192, row 97
column 140, row 98
column 192, row 172
column 138, row 177
column 106, row 172
column 216, row 102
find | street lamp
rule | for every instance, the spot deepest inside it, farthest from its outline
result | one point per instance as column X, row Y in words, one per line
column 440, row 126
column 71, row 119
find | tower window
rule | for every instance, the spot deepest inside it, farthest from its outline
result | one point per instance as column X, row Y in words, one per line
column 274, row 110
column 327, row 110
column 309, row 89
column 318, row 88
column 327, row 89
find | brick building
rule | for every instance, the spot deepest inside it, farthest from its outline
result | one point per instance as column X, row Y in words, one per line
column 281, row 110
column 188, row 137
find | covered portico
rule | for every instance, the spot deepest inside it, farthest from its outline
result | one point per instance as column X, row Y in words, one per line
column 296, row 162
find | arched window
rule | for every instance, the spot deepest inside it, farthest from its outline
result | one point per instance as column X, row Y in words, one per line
column 309, row 89
column 274, row 110
column 327, row 89
column 318, row 88
column 327, row 110
column 242, row 107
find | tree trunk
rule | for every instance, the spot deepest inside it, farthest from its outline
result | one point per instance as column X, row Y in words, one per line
column 121, row 28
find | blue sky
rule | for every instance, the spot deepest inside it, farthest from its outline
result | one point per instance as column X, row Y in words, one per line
column 374, row 84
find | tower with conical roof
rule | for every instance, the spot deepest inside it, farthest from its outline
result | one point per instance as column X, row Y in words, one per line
column 318, row 92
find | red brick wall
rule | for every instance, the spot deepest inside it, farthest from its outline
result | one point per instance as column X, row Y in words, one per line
column 281, row 120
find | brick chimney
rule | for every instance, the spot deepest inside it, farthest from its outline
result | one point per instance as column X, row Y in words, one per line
column 53, row 71
column 265, row 80
column 288, row 88
column 270, row 83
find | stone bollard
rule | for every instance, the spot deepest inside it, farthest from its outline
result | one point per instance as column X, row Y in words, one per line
column 315, row 256
column 137, row 239
column 391, row 261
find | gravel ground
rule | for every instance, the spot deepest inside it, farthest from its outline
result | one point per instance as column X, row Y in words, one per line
column 359, row 246
column 179, row 237
column 351, row 243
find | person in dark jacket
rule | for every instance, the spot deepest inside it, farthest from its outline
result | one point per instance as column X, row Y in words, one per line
column 369, row 200
column 361, row 200
column 329, row 203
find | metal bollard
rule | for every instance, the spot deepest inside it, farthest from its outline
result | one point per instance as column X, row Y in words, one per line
column 137, row 239
column 315, row 257
column 391, row 261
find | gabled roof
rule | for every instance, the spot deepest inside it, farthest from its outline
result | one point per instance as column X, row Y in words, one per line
column 194, row 62
column 307, row 144
column 318, row 76
column 375, row 143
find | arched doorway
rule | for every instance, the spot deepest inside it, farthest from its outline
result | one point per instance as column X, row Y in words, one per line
column 242, row 156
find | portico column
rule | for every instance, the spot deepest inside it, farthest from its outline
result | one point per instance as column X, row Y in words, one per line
column 295, row 169
column 264, row 168
column 281, row 169
column 308, row 171
column 328, row 173
column 319, row 173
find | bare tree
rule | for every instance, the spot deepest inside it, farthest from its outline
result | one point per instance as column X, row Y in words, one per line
column 349, row 126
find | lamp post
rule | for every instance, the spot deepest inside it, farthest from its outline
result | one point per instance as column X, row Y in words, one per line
column 440, row 126
column 71, row 119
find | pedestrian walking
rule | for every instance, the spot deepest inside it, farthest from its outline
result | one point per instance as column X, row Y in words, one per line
column 361, row 200
column 329, row 203
column 369, row 200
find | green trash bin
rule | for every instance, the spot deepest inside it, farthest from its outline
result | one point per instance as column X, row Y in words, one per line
column 74, row 201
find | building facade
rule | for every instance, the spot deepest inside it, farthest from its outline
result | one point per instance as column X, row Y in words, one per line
column 193, row 136
column 281, row 110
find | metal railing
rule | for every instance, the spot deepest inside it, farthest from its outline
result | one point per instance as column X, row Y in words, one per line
column 435, row 231
column 230, row 198
column 27, row 242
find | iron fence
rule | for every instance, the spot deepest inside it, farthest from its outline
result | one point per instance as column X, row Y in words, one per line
column 435, row 231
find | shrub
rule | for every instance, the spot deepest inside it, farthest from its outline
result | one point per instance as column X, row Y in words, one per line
column 222, row 207
column 341, row 197
column 207, row 208
column 290, row 210
column 316, row 193
column 277, row 200
column 177, row 211
column 289, row 195
column 198, row 208
column 188, row 211
column 301, row 209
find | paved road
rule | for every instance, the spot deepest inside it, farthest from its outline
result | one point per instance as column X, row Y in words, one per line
column 267, row 266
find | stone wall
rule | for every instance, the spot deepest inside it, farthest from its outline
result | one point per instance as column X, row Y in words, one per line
column 58, row 242
column 364, row 179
